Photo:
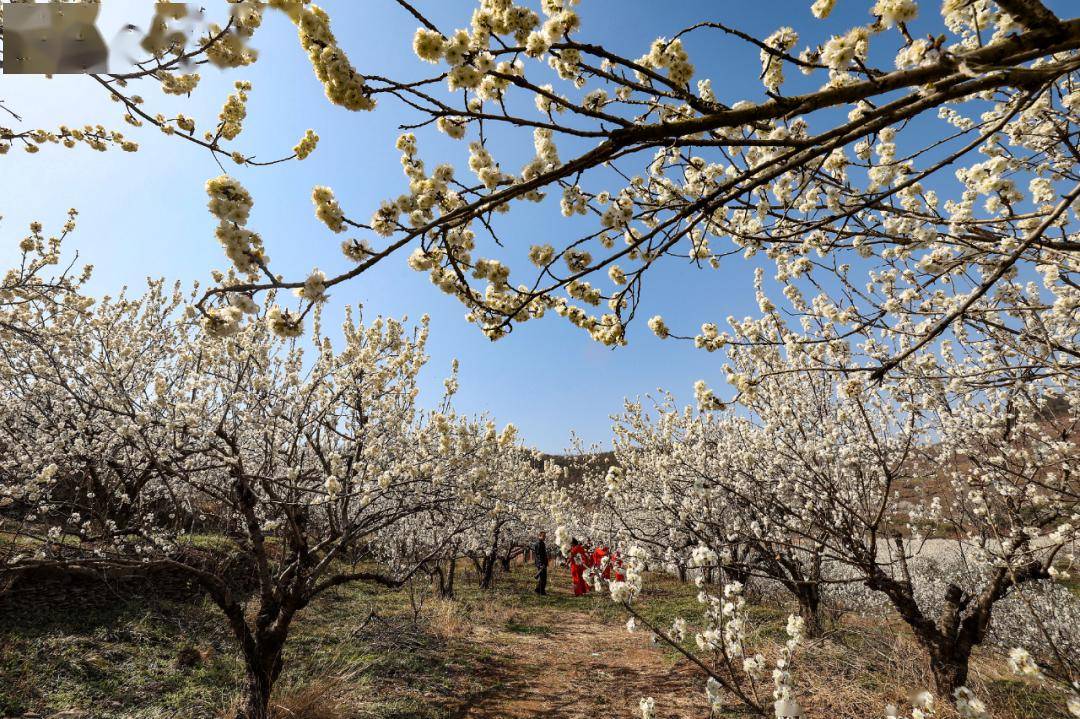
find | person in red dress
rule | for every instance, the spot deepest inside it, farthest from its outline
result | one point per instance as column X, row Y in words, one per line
column 578, row 561
column 598, row 556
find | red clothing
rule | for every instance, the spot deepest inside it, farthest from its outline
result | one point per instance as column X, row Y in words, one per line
column 616, row 561
column 578, row 561
column 598, row 562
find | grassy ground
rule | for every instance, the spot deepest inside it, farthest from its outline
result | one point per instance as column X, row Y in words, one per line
column 369, row 653
column 170, row 659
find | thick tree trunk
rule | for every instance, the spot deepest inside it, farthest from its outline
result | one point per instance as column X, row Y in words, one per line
column 263, row 668
column 256, row 697
column 451, row 571
column 682, row 572
column 950, row 653
column 439, row 579
column 948, row 641
column 446, row 579
column 487, row 579
column 262, row 646
column 950, row 670
column 809, row 598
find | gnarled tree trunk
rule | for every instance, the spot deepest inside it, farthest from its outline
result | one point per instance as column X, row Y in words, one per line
column 949, row 667
column 263, row 669
column 808, row 595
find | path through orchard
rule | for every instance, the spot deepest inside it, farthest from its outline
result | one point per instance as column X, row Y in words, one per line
column 566, row 658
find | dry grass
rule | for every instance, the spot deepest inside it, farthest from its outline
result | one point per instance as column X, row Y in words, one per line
column 333, row 696
column 322, row 699
column 863, row 664
column 371, row 654
column 447, row 619
column 857, row 669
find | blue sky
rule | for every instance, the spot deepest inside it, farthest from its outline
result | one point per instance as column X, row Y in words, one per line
column 143, row 214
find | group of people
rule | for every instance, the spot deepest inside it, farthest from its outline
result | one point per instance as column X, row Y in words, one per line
column 585, row 565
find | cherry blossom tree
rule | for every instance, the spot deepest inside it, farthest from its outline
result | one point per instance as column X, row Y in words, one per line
column 130, row 432
column 868, row 479
column 938, row 168
column 678, row 487
column 499, row 508
column 42, row 284
column 907, row 207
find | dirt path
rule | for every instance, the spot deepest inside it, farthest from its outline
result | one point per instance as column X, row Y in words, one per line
column 568, row 663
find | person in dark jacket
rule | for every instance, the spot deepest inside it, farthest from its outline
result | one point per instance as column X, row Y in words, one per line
column 540, row 559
